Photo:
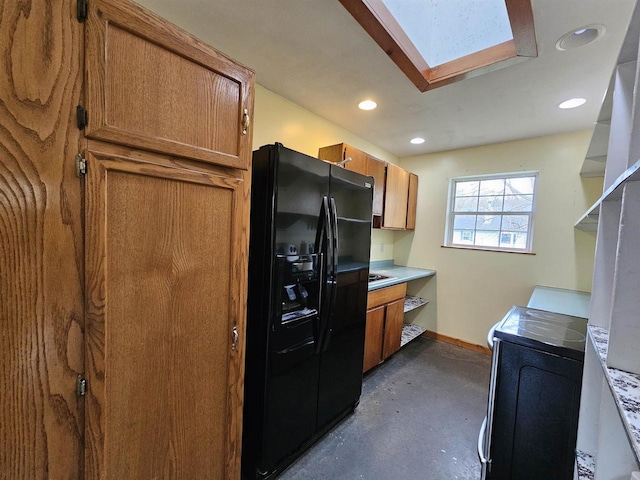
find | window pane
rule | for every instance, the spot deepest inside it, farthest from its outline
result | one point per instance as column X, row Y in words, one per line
column 490, row 204
column 466, row 204
column 515, row 223
column 492, row 187
column 520, row 185
column 518, row 203
column 464, row 222
column 513, row 240
column 467, row 189
column 463, row 237
column 488, row 222
column 487, row 239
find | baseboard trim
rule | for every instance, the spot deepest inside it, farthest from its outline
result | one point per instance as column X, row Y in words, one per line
column 457, row 342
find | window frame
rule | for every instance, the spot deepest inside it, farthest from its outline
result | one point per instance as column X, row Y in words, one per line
column 449, row 230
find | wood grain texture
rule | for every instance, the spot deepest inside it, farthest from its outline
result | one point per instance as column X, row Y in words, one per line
column 378, row 170
column 396, row 194
column 373, row 338
column 41, row 251
column 153, row 86
column 386, row 295
column 457, row 342
column 412, row 201
column 166, row 283
column 394, row 316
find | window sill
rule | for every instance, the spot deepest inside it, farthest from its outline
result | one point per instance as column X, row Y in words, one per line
column 486, row 249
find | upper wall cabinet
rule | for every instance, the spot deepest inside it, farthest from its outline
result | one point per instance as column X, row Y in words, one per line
column 395, row 190
column 198, row 108
column 356, row 160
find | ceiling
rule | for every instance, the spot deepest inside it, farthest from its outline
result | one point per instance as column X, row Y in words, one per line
column 313, row 53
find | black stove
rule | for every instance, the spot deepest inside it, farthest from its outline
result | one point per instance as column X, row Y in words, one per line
column 556, row 333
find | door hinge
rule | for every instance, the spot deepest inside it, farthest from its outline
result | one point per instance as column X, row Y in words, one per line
column 81, row 166
column 246, row 120
column 83, row 10
column 81, row 386
column 81, row 114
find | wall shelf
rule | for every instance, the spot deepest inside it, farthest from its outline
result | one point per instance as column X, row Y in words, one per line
column 589, row 221
column 625, row 388
column 410, row 332
column 411, row 303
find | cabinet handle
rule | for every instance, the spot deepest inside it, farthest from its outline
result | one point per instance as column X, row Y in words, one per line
column 246, row 120
column 236, row 338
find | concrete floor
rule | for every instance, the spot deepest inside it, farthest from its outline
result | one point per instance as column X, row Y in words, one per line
column 418, row 418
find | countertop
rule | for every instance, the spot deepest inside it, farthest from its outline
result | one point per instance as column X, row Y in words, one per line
column 560, row 300
column 397, row 273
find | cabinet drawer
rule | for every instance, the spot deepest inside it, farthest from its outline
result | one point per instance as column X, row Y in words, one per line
column 386, row 295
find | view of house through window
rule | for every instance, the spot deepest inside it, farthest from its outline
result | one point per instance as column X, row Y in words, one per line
column 493, row 211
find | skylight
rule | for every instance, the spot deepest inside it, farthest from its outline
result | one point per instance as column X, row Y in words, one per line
column 438, row 41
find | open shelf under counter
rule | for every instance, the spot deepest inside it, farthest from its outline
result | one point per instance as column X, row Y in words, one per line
column 589, row 221
column 410, row 332
column 624, row 386
column 411, row 303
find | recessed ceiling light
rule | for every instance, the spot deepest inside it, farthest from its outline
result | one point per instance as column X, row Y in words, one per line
column 580, row 37
column 417, row 140
column 367, row 105
column 572, row 103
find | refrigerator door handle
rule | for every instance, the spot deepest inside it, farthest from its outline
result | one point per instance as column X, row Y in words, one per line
column 324, row 246
column 333, row 276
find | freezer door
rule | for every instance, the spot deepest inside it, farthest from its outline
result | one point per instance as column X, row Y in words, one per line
column 340, row 381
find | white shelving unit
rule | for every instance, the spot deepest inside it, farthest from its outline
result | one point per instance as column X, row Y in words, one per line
column 609, row 424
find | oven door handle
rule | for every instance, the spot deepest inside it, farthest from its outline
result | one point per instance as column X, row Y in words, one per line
column 481, row 455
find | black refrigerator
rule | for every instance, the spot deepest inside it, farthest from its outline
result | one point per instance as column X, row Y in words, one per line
column 309, row 249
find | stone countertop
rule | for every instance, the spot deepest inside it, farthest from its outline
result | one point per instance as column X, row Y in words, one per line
column 398, row 274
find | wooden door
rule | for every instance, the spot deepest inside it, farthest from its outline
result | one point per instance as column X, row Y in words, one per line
column 41, row 244
column 393, row 328
column 377, row 169
column 166, row 292
column 396, row 196
column 373, row 338
column 358, row 162
column 413, row 201
column 152, row 86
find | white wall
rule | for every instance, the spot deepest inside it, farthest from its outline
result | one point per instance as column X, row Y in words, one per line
column 475, row 288
column 279, row 120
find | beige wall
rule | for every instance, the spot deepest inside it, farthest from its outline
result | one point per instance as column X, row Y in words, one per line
column 279, row 120
column 473, row 289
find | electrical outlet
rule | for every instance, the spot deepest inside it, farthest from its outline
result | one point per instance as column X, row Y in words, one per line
column 382, row 248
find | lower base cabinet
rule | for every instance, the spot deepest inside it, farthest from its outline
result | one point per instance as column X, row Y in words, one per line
column 385, row 315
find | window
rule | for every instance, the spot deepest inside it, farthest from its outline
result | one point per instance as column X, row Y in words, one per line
column 492, row 212
column 436, row 42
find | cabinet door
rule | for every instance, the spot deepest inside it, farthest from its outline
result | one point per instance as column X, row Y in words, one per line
column 377, row 169
column 373, row 338
column 358, row 162
column 396, row 196
column 393, row 328
column 152, row 86
column 413, row 201
column 166, row 261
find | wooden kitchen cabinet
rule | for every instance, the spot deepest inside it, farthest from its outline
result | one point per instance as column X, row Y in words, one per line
column 360, row 162
column 126, row 288
column 412, row 201
column 385, row 315
column 396, row 196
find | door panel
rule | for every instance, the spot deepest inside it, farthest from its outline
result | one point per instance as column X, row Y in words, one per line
column 393, row 328
column 373, row 338
column 151, row 85
column 396, row 197
column 166, row 261
column 377, row 170
column 413, row 201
